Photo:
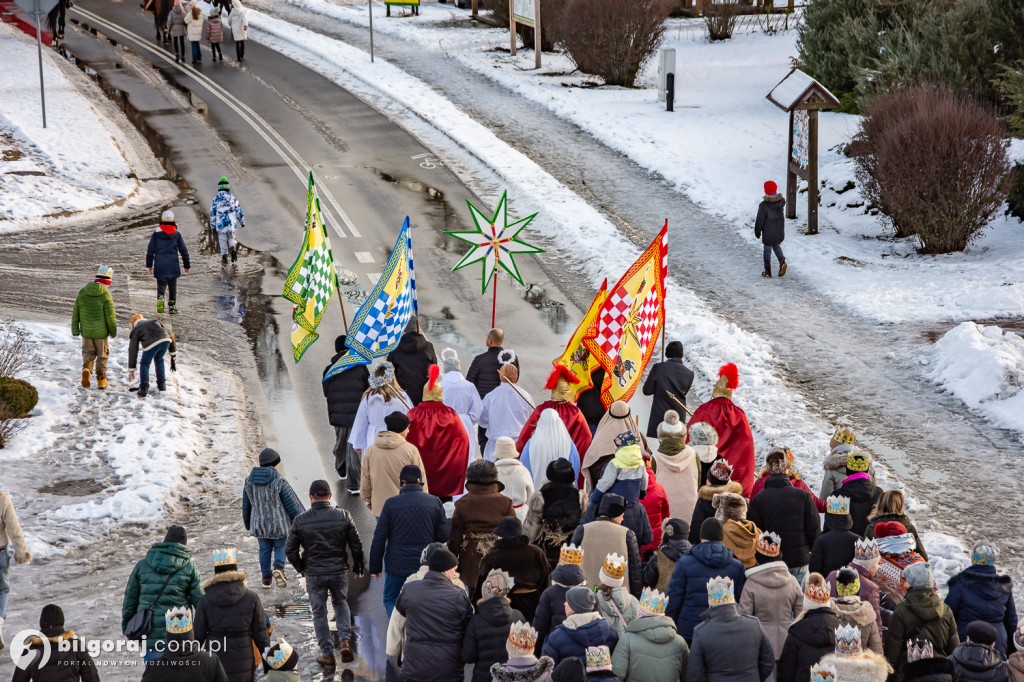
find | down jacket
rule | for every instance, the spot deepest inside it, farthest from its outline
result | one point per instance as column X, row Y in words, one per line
column 576, row 633
column 176, row 22
column 650, row 651
column 343, row 391
column 148, row 577
column 551, row 609
column 232, row 616
column 62, row 666
column 268, row 504
column 162, row 253
column 412, row 358
column 979, row 593
column 812, row 636
column 770, row 224
column 979, row 663
column 486, row 635
column 323, row 533
column 688, row 588
column 194, row 24
column 921, row 615
column 789, row 512
column 773, row 596
column 93, row 314
column 747, row 658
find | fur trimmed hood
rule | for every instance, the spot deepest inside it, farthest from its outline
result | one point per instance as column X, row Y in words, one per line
column 225, row 577
column 860, row 612
column 729, row 507
column 835, row 462
column 708, row 492
column 522, row 669
column 794, row 475
column 34, row 641
column 867, row 666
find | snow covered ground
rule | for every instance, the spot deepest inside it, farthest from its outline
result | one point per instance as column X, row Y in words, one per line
column 90, row 460
column 87, row 158
column 719, row 146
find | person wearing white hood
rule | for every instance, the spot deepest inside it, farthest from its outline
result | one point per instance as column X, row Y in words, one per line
column 550, row 441
column 704, row 441
column 516, row 477
column 460, row 395
column 678, row 466
column 507, row 408
column 238, row 20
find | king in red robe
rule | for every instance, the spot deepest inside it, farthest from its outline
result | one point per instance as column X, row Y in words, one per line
column 735, row 440
column 561, row 402
column 437, row 431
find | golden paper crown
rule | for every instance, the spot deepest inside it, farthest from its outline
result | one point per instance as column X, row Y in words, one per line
column 844, row 435
column 820, row 594
column 768, row 544
column 836, row 504
column 571, row 554
column 614, row 566
column 721, row 591
column 851, row 589
column 865, row 550
column 847, row 640
column 225, row 557
column 919, row 649
column 522, row 636
column 178, row 621
column 823, row 673
column 653, row 602
column 279, row 657
column 858, row 462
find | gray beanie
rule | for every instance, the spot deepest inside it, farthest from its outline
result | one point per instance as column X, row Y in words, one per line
column 919, row 575
column 450, row 361
column 581, row 599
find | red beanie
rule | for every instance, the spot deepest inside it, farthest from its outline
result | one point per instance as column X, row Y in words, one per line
column 885, row 530
column 770, row 188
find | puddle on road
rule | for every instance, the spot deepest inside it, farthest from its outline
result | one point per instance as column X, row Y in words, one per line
column 75, row 487
column 934, row 332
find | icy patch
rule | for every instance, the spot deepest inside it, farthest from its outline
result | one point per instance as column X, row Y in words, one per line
column 984, row 367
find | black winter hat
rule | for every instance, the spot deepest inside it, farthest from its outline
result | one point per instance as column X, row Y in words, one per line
column 612, row 505
column 430, row 549
column 339, row 344
column 320, row 488
column 674, row 529
column 560, row 471
column 441, row 560
column 712, row 529
column 483, row 472
column 570, row 670
column 411, row 474
column 51, row 620
column 176, row 534
column 269, row 457
column 509, row 527
column 980, row 632
column 396, row 422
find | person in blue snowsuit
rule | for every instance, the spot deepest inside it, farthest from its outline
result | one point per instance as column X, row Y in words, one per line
column 162, row 261
column 226, row 217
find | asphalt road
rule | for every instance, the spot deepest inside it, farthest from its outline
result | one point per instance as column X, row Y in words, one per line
column 265, row 126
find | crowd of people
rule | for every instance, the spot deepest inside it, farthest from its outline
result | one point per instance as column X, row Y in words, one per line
column 188, row 23
column 561, row 544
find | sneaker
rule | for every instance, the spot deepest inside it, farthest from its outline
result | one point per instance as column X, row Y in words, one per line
column 102, row 383
column 159, row 305
column 174, row 308
column 279, row 576
column 346, row 651
column 224, row 259
column 766, row 273
column 143, row 391
column 782, row 269
column 234, row 254
column 327, row 662
column 86, row 373
column 267, row 583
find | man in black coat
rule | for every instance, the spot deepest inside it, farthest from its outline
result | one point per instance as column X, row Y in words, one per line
column 411, row 360
column 483, row 372
column 316, row 547
column 589, row 401
column 788, row 512
column 811, row 636
column 671, row 376
column 409, row 521
column 343, row 392
column 770, row 227
column 834, row 548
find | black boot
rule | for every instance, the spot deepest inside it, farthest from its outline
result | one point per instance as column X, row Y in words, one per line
column 143, row 390
column 224, row 259
column 234, row 254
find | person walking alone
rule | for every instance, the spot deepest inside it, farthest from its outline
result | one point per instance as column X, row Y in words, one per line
column 94, row 319
column 318, row 545
column 238, row 19
column 770, row 227
column 162, row 261
column 12, row 541
column 268, row 507
column 226, row 213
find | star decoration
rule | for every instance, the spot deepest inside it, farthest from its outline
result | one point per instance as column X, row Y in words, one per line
column 493, row 244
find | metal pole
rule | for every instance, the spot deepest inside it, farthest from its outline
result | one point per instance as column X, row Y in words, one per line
column 369, row 4
column 39, row 51
column 670, row 94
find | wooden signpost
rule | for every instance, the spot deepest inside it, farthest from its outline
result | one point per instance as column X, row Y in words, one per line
column 527, row 13
column 802, row 97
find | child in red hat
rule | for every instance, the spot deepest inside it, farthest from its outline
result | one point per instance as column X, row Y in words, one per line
column 770, row 226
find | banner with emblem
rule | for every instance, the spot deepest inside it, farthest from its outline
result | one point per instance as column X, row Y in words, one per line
column 381, row 320
column 311, row 280
column 576, row 357
column 629, row 321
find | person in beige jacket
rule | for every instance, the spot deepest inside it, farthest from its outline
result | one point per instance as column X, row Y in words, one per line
column 12, row 540
column 516, row 477
column 770, row 593
column 677, row 466
column 383, row 462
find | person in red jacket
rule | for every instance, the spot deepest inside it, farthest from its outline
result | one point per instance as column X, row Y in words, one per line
column 437, row 432
column 561, row 402
column 794, row 477
column 735, row 440
column 656, row 504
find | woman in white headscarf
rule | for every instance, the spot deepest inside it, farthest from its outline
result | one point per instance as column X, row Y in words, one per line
column 382, row 398
column 550, row 441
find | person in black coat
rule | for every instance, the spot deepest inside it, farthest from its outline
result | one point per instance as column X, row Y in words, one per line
column 555, row 510
column 412, row 359
column 551, row 609
column 183, row 659
column 834, row 548
column 589, row 401
column 928, row 670
column 487, row 632
column 858, row 486
column 770, row 227
column 230, row 618
column 977, row 659
column 526, row 564
column 717, row 482
column 343, row 392
column 162, row 261
column 73, row 665
column 811, row 636
column 671, row 376
column 483, row 373
column 787, row 511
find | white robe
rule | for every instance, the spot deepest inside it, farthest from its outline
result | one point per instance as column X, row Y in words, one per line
column 505, row 413
column 369, row 419
column 462, row 396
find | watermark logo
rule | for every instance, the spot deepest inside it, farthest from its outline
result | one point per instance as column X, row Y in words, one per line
column 24, row 655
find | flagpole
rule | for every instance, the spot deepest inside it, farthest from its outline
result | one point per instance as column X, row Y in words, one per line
column 663, row 342
column 344, row 317
column 494, row 301
column 412, row 274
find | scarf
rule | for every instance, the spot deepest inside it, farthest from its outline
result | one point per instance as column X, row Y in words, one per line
column 672, row 445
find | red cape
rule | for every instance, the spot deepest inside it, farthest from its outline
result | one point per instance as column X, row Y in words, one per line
column 438, row 433
column 572, row 418
column 735, row 441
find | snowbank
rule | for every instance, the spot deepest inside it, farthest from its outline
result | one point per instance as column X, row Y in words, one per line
column 82, row 160
column 89, row 460
column 984, row 367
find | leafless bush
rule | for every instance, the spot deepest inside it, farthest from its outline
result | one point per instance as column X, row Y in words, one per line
column 720, row 18
column 10, row 424
column 936, row 165
column 16, row 355
column 613, row 38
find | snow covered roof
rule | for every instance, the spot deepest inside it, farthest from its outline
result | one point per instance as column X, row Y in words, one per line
column 796, row 88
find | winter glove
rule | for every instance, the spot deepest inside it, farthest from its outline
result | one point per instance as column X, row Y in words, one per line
column 357, row 567
column 23, row 558
column 174, row 368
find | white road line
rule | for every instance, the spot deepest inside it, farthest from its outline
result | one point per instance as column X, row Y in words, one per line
column 374, row 277
column 279, row 144
column 364, row 256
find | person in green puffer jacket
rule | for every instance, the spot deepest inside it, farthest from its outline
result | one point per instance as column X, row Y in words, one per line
column 148, row 577
column 651, row 650
column 94, row 320
column 921, row 615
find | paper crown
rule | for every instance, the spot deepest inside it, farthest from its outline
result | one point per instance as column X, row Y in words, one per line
column 822, row 672
column 522, row 636
column 225, row 557
column 836, row 504
column 865, row 550
column 598, row 658
column 721, row 591
column 279, row 657
column 614, row 566
column 918, row 650
column 768, row 544
column 571, row 554
column 105, row 272
column 851, row 589
column 984, row 555
column 721, row 470
column 497, row 584
column 653, row 602
column 844, row 435
column 178, row 621
column 627, row 438
column 847, row 640
column 858, row 462
column 819, row 594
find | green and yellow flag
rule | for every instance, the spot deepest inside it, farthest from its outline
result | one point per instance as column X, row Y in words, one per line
column 311, row 280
